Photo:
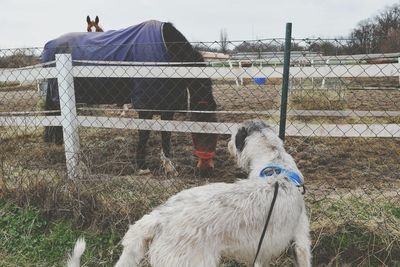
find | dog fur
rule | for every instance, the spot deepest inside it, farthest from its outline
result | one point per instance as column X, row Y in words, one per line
column 75, row 259
column 199, row 226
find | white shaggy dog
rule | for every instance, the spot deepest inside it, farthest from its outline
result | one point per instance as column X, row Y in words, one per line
column 198, row 226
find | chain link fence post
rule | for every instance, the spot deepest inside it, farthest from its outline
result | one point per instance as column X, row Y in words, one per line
column 285, row 81
column 69, row 119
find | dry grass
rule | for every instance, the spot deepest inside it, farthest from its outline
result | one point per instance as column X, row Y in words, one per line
column 352, row 198
column 101, row 201
column 359, row 229
column 18, row 58
column 349, row 227
column 317, row 99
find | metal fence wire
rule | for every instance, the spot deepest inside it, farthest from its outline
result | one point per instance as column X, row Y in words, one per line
column 80, row 119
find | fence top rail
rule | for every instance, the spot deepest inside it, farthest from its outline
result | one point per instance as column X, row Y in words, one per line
column 25, row 74
column 332, row 71
column 181, row 70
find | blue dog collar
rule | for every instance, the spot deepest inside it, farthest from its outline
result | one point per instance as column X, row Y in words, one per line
column 272, row 169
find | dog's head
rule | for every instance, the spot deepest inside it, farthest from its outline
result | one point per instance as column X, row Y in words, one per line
column 253, row 139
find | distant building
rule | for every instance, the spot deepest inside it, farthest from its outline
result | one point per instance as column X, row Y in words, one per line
column 214, row 56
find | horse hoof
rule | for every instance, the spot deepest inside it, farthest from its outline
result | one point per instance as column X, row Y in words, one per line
column 167, row 165
column 170, row 169
column 144, row 172
column 171, row 172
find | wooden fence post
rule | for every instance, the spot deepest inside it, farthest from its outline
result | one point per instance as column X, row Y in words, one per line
column 69, row 119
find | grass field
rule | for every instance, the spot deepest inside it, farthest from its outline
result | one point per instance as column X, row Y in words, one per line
column 353, row 196
column 29, row 237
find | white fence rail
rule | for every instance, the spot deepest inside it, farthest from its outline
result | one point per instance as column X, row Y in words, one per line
column 64, row 71
column 171, row 71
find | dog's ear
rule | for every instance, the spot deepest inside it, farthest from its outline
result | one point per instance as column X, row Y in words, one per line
column 88, row 19
column 96, row 20
column 240, row 138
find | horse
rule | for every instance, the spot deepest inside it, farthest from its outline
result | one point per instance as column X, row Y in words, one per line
column 150, row 41
column 93, row 24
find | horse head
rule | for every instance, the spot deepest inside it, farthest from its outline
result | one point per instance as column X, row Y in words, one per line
column 202, row 104
column 93, row 24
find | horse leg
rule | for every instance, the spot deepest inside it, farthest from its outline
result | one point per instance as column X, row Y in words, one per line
column 166, row 136
column 52, row 134
column 141, row 146
column 168, row 166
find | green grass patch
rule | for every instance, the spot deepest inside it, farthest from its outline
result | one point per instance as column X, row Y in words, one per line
column 395, row 211
column 28, row 239
column 41, row 217
column 356, row 229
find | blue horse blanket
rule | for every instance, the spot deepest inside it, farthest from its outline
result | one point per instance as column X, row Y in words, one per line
column 142, row 43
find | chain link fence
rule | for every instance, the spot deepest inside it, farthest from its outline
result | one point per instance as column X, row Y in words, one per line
column 78, row 119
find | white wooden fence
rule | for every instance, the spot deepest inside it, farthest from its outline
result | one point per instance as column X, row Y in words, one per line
column 65, row 72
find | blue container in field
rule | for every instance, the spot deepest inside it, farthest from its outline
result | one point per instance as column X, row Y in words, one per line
column 260, row 80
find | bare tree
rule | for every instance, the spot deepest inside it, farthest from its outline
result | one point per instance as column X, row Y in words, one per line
column 363, row 37
column 223, row 37
column 388, row 20
column 392, row 42
column 378, row 34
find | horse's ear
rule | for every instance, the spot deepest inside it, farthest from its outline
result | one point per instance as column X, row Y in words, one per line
column 96, row 20
column 240, row 138
column 88, row 19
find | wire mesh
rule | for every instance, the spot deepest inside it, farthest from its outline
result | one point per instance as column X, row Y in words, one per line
column 343, row 130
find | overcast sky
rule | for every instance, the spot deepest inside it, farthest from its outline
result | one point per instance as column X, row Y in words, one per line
column 30, row 23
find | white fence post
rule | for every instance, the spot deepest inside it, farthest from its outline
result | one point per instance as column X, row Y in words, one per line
column 69, row 121
column 398, row 66
column 241, row 68
column 312, row 78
